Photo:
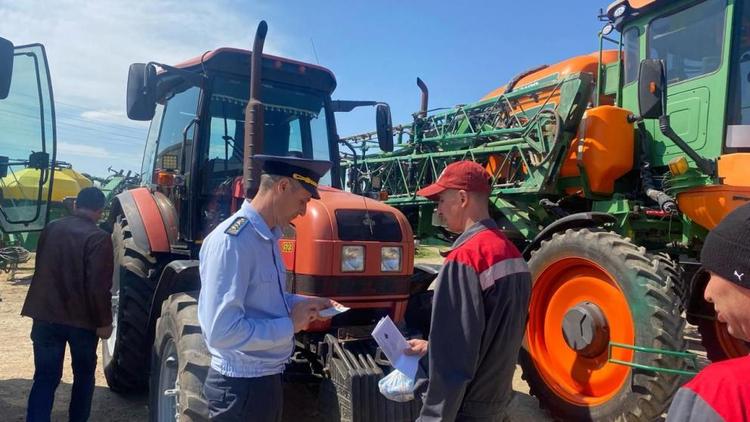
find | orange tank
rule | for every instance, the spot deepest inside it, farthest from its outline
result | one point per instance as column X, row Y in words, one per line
column 607, row 150
column 586, row 63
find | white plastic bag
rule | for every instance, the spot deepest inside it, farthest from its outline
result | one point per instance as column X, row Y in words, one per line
column 397, row 386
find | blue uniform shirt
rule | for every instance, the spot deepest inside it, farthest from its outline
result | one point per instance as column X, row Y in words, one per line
column 244, row 309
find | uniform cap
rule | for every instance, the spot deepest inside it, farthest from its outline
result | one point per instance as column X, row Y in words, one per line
column 306, row 171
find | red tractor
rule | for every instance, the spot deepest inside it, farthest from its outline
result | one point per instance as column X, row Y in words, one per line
column 209, row 116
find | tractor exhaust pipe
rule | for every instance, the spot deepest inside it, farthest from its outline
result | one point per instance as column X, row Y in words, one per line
column 425, row 98
column 254, row 114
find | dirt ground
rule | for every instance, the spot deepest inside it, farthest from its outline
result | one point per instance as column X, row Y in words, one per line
column 17, row 370
column 17, row 365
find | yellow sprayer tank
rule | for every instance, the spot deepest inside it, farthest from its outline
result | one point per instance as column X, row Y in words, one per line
column 24, row 184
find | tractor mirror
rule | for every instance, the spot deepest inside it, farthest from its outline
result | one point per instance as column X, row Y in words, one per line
column 652, row 89
column 6, row 67
column 141, row 101
column 384, row 127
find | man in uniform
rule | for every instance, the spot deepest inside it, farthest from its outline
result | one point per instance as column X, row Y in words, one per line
column 479, row 309
column 247, row 317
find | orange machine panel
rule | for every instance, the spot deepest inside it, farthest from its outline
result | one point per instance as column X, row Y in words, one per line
column 318, row 248
column 586, row 63
column 604, row 147
column 314, row 251
column 708, row 205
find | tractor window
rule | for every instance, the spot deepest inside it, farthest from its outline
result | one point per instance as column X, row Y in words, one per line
column 27, row 122
column 294, row 125
column 149, row 152
column 632, row 59
column 179, row 113
column 738, row 108
column 689, row 41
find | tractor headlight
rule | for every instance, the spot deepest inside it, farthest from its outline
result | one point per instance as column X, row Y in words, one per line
column 620, row 10
column 352, row 258
column 390, row 259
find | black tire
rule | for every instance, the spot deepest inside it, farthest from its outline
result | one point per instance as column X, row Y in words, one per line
column 649, row 285
column 664, row 264
column 126, row 354
column 180, row 354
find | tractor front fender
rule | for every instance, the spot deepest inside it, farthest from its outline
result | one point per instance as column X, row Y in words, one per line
column 573, row 221
column 152, row 219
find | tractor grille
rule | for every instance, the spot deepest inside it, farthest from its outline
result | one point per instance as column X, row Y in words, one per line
column 368, row 225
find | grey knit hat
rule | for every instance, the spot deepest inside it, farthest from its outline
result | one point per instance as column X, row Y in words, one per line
column 726, row 251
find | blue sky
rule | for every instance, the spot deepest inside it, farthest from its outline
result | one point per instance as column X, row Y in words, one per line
column 376, row 49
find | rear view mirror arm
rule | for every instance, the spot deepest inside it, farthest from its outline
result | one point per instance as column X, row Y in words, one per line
column 705, row 165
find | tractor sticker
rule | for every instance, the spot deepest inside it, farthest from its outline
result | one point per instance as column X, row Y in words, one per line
column 287, row 247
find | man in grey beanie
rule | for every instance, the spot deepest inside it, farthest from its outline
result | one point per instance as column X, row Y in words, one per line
column 721, row 391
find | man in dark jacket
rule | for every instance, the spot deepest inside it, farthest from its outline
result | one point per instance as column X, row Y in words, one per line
column 721, row 391
column 479, row 309
column 70, row 302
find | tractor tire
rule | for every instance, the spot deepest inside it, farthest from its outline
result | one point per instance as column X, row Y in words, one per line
column 605, row 289
column 126, row 353
column 180, row 363
column 665, row 264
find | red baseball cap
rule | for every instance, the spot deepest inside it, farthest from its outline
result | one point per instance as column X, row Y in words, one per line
column 461, row 175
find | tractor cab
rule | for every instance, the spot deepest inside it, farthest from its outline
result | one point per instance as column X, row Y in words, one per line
column 705, row 48
column 196, row 143
column 27, row 137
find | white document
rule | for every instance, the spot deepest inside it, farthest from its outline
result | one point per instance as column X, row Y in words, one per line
column 333, row 311
column 393, row 344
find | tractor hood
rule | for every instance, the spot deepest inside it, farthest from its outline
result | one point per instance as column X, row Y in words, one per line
column 341, row 219
column 340, row 215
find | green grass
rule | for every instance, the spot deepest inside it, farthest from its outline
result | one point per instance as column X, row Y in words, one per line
column 427, row 252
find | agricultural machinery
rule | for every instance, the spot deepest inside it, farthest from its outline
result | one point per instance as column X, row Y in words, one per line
column 607, row 171
column 209, row 116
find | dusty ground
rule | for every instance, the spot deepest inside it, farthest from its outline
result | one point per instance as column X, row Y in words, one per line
column 17, row 366
column 17, row 369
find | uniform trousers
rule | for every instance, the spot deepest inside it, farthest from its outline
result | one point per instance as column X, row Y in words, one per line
column 243, row 399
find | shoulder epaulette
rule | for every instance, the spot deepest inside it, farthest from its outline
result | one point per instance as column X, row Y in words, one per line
column 236, row 227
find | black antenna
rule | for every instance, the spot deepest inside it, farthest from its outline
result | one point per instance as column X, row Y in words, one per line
column 315, row 52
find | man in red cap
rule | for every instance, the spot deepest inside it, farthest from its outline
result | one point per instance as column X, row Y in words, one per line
column 479, row 309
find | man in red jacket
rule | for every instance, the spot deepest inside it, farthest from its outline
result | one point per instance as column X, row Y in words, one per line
column 721, row 391
column 479, row 309
column 70, row 302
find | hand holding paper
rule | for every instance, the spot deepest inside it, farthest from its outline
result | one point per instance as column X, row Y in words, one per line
column 393, row 344
column 333, row 311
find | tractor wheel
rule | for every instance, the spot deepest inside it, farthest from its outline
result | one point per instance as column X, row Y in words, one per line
column 126, row 353
column 180, row 362
column 592, row 288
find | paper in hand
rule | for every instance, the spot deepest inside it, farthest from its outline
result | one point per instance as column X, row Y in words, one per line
column 393, row 344
column 333, row 311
